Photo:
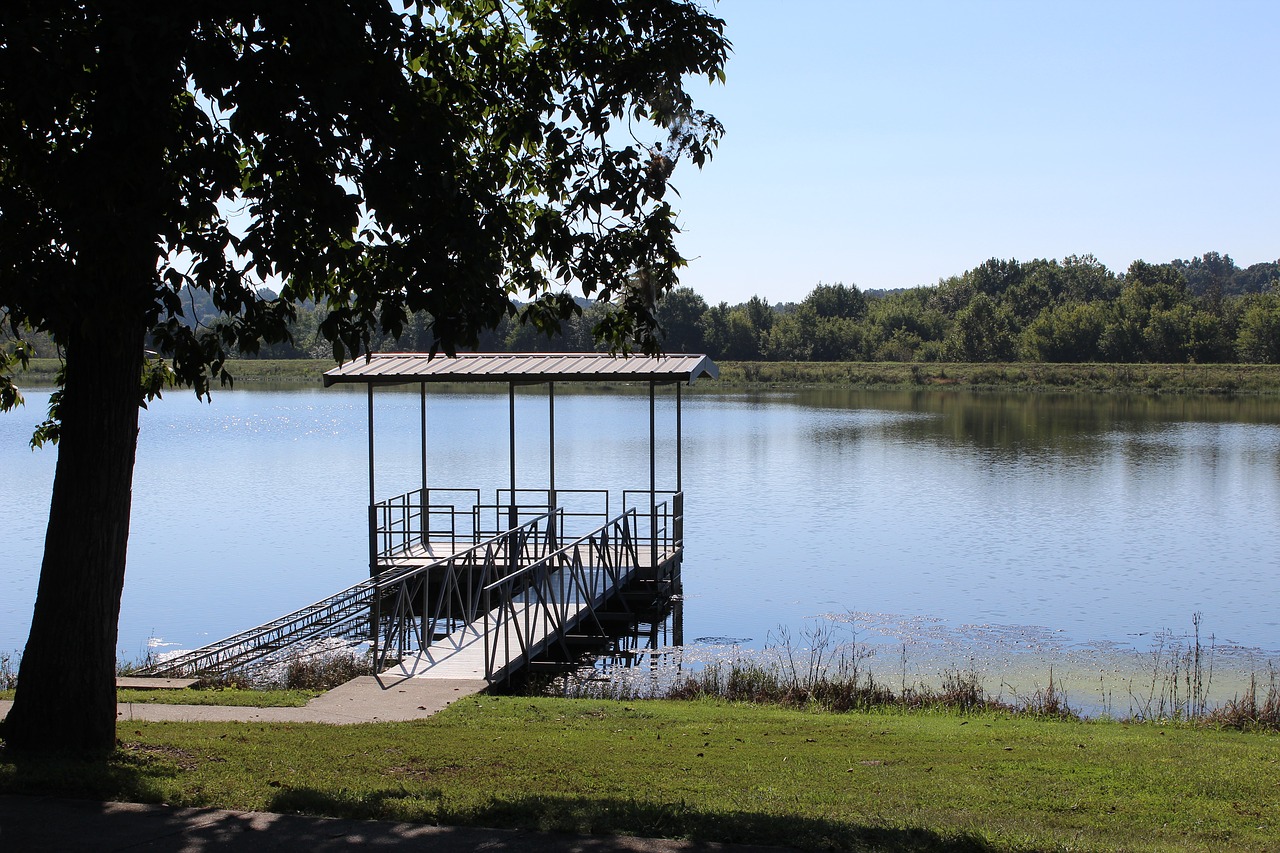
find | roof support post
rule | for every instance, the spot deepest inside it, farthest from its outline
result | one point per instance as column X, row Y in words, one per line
column 424, row 508
column 551, row 440
column 679, row 437
column 511, row 409
column 373, row 509
column 653, row 479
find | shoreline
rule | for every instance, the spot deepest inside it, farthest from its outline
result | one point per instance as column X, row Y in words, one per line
column 1207, row 379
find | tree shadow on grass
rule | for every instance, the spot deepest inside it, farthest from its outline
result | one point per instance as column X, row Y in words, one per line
column 130, row 774
column 608, row 817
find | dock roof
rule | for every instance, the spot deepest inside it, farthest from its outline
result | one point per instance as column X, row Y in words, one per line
column 405, row 367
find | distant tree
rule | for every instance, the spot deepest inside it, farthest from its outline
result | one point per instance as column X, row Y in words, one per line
column 385, row 159
column 1068, row 332
column 982, row 332
column 837, row 300
column 760, row 313
column 1211, row 276
column 715, row 329
column 1258, row 341
column 1086, row 279
column 680, row 319
column 1258, row 278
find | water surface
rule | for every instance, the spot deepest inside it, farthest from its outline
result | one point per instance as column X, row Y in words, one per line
column 1069, row 520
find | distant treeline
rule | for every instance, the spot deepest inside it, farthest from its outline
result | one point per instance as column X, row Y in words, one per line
column 1206, row 310
column 1074, row 310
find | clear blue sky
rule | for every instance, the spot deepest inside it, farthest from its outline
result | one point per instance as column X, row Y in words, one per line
column 890, row 144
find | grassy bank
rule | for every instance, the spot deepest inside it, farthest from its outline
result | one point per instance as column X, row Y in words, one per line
column 1140, row 378
column 719, row 771
column 234, row 697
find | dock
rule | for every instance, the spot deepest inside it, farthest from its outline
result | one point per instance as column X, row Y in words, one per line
column 465, row 588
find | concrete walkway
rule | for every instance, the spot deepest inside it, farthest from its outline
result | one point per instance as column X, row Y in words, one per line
column 368, row 699
column 36, row 824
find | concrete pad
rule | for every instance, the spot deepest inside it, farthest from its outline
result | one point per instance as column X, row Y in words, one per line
column 383, row 698
column 83, row 826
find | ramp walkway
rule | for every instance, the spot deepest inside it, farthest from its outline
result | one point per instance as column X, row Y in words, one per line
column 439, row 610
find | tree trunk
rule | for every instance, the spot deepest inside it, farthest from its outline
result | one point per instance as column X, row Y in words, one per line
column 66, row 683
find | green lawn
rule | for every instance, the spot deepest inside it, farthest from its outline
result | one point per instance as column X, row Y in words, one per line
column 715, row 771
column 215, row 696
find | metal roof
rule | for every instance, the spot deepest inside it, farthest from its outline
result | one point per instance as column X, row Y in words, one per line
column 402, row 367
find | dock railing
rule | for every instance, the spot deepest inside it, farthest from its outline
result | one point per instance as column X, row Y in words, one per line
column 414, row 607
column 405, row 522
column 660, row 526
column 537, row 605
column 456, row 516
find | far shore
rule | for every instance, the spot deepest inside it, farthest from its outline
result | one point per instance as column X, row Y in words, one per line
column 1220, row 379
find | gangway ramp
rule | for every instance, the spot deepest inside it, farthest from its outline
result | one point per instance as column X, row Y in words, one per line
column 479, row 612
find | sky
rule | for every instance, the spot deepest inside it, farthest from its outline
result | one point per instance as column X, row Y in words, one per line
column 891, row 144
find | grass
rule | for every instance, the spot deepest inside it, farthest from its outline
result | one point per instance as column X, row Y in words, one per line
column 1136, row 378
column 717, row 771
column 236, row 696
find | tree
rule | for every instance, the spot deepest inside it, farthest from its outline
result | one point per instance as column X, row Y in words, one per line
column 837, row 300
column 381, row 159
column 680, row 317
column 982, row 332
column 1259, row 338
column 1068, row 332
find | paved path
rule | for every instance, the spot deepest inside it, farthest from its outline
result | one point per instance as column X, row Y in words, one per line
column 368, row 699
column 37, row 824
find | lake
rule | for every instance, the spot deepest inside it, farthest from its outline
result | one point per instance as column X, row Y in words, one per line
column 971, row 526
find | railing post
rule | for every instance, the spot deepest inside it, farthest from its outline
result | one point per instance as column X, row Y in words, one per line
column 377, row 628
column 678, row 509
column 488, row 667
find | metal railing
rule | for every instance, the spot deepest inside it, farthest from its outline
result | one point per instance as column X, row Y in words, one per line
column 661, row 526
column 524, row 584
column 347, row 613
column 534, row 607
column 414, row 607
column 399, row 524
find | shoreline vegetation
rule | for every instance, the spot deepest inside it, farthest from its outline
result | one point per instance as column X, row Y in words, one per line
column 1215, row 379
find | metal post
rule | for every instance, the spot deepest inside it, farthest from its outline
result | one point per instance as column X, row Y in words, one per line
column 653, row 479
column 677, row 501
column 511, row 397
column 679, row 437
column 425, row 508
column 373, row 509
column 375, row 617
column 551, row 418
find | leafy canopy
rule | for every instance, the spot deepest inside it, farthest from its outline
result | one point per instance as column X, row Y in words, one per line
column 381, row 159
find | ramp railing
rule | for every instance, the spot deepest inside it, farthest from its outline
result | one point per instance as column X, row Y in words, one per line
column 535, row 606
column 415, row 607
column 346, row 614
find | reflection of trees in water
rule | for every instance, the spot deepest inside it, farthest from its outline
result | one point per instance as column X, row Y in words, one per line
column 1066, row 424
